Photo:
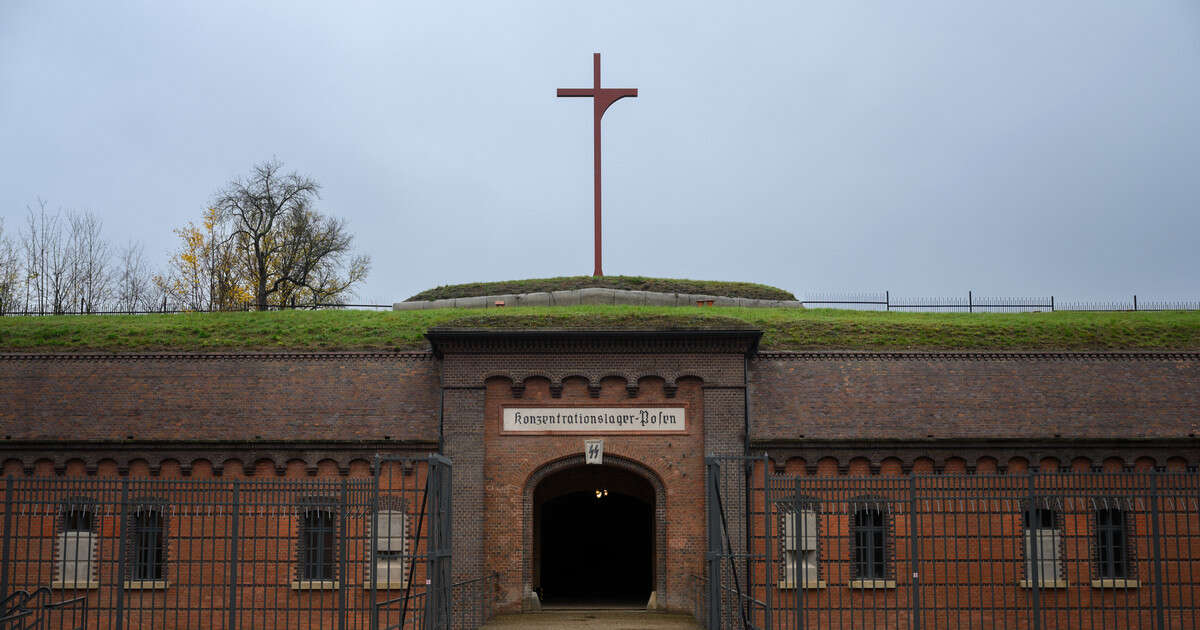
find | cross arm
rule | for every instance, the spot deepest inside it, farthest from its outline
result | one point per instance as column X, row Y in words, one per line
column 575, row 92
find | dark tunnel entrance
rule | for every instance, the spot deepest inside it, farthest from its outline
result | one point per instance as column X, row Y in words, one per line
column 594, row 537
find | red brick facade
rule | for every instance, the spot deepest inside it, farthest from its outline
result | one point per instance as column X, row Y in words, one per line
column 252, row 416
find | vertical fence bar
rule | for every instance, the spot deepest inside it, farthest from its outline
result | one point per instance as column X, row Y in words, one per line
column 712, row 477
column 914, row 551
column 1032, row 540
column 798, row 521
column 233, row 554
column 372, row 566
column 767, row 542
column 970, row 302
column 119, row 621
column 1156, row 549
column 343, row 579
column 8, row 534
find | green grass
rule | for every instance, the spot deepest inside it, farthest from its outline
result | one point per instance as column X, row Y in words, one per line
column 632, row 283
column 784, row 329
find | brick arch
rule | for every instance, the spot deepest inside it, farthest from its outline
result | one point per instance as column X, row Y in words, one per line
column 613, row 461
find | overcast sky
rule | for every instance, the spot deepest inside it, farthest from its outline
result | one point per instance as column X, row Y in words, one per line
column 1012, row 148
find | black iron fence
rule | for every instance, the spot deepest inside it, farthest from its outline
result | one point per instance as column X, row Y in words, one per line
column 972, row 303
column 366, row 552
column 1029, row 551
column 172, row 310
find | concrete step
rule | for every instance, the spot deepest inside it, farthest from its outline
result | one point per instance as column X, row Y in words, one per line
column 592, row 620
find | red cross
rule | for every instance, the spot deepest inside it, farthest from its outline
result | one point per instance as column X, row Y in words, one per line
column 601, row 99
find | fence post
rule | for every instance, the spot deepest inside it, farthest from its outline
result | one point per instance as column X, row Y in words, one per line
column 887, row 300
column 8, row 504
column 767, row 542
column 1051, row 303
column 914, row 552
column 343, row 579
column 1032, row 538
column 372, row 568
column 1156, row 549
column 122, row 551
column 1135, row 301
column 970, row 302
column 799, row 535
column 234, row 510
column 712, row 477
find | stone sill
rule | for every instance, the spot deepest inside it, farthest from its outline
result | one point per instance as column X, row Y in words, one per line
column 385, row 586
column 1115, row 583
column 76, row 585
column 870, row 584
column 146, row 585
column 315, row 585
column 789, row 585
column 1043, row 584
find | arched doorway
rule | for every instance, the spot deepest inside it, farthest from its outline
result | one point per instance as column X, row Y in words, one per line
column 594, row 536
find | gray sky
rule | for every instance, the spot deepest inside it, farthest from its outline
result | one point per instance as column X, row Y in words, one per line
column 1013, row 148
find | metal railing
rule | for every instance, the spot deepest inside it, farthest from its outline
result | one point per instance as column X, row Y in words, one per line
column 972, row 303
column 166, row 309
column 23, row 610
column 1036, row 551
column 241, row 553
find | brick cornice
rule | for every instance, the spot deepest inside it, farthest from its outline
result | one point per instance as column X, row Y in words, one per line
column 214, row 356
column 592, row 341
column 975, row 356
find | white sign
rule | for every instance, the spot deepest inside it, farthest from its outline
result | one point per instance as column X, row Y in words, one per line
column 594, row 419
column 593, row 451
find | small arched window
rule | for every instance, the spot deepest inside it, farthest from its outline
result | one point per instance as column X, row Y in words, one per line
column 1112, row 543
column 871, row 560
column 799, row 543
column 147, row 543
column 1043, row 544
column 318, row 535
column 388, row 535
column 76, row 545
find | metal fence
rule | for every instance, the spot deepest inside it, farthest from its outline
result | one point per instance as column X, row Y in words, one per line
column 972, row 303
column 1028, row 551
column 166, row 309
column 343, row 553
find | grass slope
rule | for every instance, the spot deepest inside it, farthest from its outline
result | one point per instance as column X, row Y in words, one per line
column 784, row 329
column 632, row 283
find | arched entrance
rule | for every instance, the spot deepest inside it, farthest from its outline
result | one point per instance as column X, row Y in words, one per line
column 595, row 534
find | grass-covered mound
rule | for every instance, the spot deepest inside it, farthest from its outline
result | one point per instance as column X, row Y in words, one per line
column 784, row 329
column 629, row 283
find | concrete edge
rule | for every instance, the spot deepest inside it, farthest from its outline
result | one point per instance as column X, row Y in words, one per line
column 594, row 295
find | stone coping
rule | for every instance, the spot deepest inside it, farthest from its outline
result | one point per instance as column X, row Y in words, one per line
column 594, row 295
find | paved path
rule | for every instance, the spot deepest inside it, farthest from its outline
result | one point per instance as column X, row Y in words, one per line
column 592, row 620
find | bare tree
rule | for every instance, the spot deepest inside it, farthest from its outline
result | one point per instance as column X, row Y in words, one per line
column 10, row 273
column 47, row 261
column 133, row 285
column 289, row 251
column 89, row 261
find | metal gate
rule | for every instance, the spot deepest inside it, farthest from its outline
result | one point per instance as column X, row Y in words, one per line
column 425, row 600
column 734, row 556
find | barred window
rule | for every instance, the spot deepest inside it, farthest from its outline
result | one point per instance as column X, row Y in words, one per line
column 1112, row 544
column 870, row 544
column 76, row 548
column 389, row 533
column 149, row 544
column 798, row 540
column 1043, row 540
column 318, row 530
